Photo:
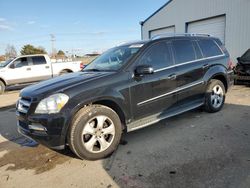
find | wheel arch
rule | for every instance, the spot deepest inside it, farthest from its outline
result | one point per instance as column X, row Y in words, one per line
column 1, row 79
column 66, row 70
column 222, row 78
column 219, row 73
column 108, row 102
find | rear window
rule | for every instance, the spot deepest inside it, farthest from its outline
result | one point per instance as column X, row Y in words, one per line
column 183, row 51
column 209, row 48
column 39, row 60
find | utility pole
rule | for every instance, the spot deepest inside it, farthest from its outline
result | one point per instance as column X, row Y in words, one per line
column 52, row 39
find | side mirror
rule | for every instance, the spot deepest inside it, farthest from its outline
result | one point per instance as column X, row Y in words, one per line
column 238, row 59
column 144, row 69
column 12, row 66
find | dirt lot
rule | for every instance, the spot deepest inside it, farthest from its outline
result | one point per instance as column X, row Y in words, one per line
column 195, row 149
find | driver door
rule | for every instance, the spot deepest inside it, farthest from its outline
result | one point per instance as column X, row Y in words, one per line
column 20, row 71
column 153, row 93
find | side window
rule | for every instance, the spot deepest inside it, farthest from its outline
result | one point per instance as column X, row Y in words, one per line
column 21, row 62
column 158, row 56
column 38, row 60
column 209, row 48
column 183, row 51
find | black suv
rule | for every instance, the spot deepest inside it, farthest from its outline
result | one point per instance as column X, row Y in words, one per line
column 127, row 88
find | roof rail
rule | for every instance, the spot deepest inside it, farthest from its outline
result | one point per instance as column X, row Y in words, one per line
column 165, row 35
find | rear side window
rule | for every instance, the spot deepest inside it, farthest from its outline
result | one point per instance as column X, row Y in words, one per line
column 158, row 56
column 39, row 60
column 209, row 48
column 183, row 51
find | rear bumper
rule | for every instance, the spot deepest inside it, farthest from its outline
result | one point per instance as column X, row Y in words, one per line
column 230, row 79
column 242, row 78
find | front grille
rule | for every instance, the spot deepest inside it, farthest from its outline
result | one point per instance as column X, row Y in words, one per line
column 23, row 105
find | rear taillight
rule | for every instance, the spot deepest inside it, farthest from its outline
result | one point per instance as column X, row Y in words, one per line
column 230, row 64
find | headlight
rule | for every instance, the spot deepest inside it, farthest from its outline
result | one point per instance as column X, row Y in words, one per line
column 52, row 104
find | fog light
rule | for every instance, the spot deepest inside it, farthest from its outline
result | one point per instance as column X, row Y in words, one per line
column 37, row 127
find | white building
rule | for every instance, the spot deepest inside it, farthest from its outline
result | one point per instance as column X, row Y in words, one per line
column 228, row 20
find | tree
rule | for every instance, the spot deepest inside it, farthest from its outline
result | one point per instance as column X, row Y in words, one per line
column 60, row 53
column 10, row 51
column 30, row 49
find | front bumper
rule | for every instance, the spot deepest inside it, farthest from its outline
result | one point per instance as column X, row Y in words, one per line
column 45, row 129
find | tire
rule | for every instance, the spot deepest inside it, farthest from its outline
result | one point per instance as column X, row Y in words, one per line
column 215, row 96
column 2, row 87
column 86, row 136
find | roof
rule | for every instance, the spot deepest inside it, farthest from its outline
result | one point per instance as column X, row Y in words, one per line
column 169, row 1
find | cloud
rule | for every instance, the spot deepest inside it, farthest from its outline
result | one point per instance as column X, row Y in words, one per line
column 31, row 22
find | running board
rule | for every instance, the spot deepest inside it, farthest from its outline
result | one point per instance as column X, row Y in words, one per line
column 144, row 122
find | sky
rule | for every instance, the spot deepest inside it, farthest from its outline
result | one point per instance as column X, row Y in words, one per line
column 79, row 26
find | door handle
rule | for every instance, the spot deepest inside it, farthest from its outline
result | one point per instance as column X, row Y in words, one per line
column 46, row 67
column 28, row 69
column 172, row 77
column 205, row 66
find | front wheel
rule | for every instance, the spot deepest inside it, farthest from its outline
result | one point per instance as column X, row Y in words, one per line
column 2, row 87
column 95, row 132
column 215, row 96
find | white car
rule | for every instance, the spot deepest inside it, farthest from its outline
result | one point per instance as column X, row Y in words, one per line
column 33, row 68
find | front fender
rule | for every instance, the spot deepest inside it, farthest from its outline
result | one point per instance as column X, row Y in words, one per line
column 92, row 97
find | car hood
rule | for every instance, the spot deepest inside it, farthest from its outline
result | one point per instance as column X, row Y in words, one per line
column 60, row 83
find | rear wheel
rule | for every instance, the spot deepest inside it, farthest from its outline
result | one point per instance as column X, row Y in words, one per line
column 95, row 132
column 215, row 96
column 2, row 87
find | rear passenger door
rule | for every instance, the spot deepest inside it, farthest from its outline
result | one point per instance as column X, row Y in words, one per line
column 190, row 71
column 152, row 93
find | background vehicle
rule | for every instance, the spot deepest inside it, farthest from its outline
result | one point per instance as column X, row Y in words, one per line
column 242, row 69
column 33, row 68
column 126, row 88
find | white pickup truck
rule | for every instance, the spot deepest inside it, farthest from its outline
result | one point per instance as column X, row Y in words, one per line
column 33, row 68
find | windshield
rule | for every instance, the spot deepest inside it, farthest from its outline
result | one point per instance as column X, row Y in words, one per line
column 113, row 59
column 246, row 56
column 5, row 63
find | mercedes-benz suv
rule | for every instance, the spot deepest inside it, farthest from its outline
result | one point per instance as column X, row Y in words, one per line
column 127, row 88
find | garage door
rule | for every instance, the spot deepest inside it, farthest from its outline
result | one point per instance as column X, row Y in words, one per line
column 212, row 26
column 164, row 30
